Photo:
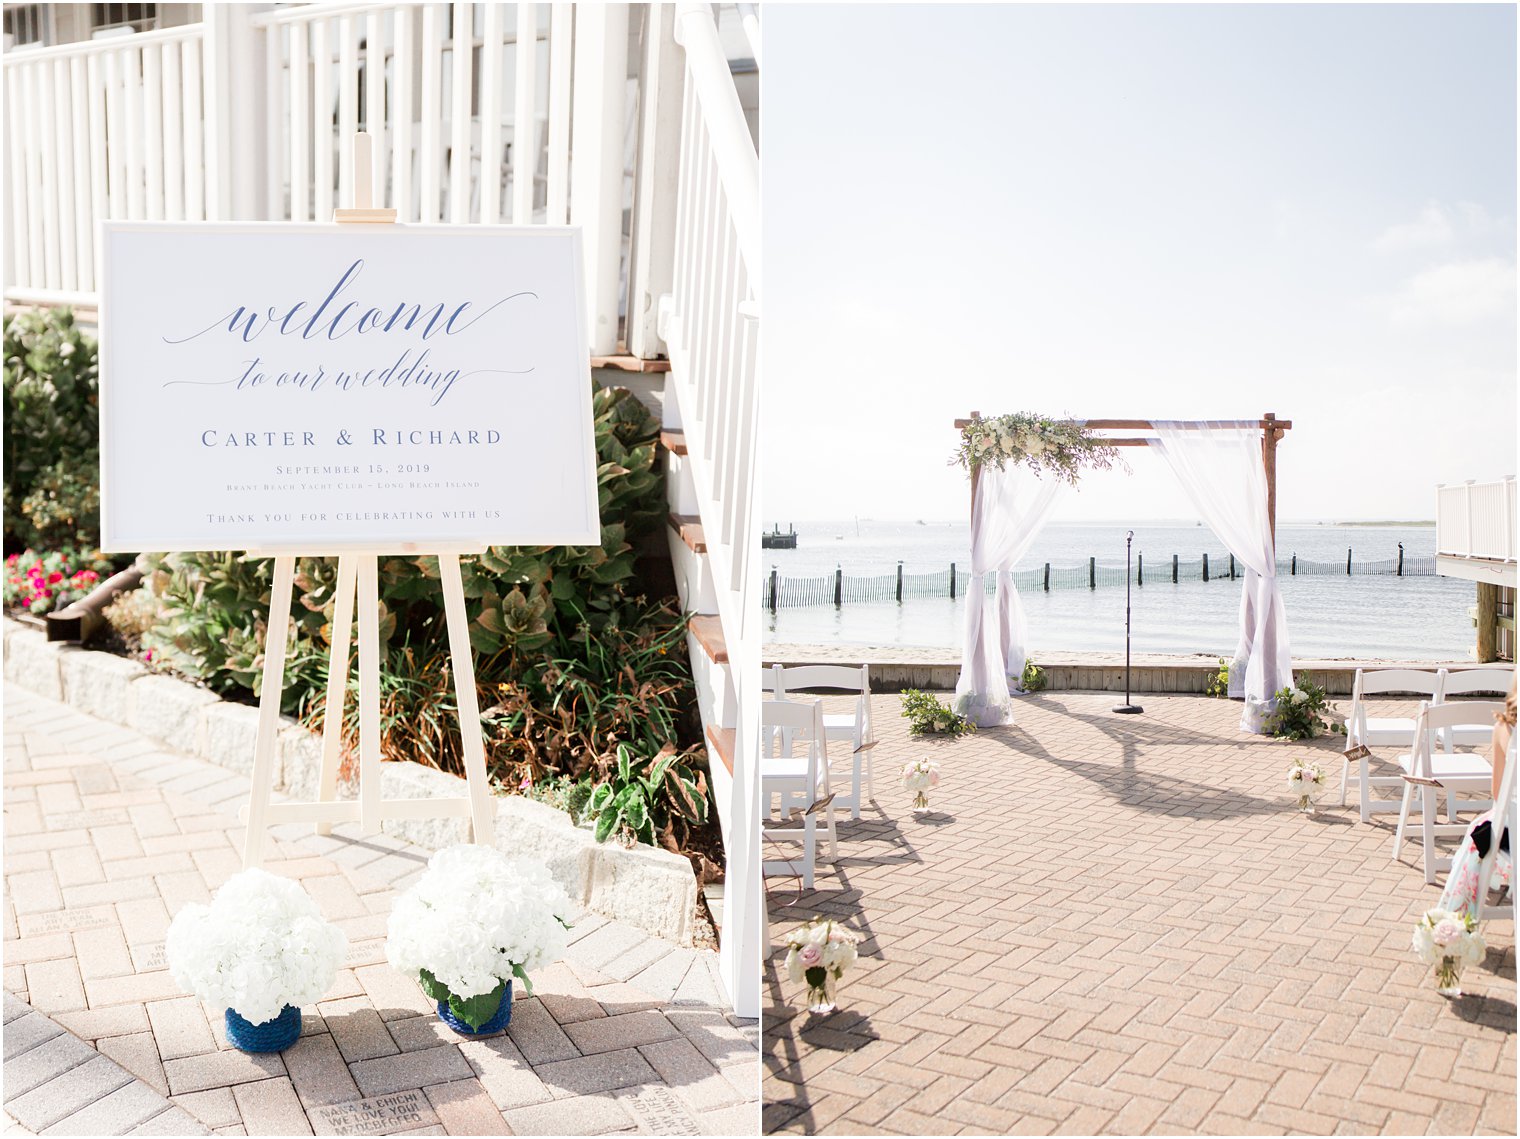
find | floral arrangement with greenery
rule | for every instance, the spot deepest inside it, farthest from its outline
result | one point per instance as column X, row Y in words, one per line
column 1219, row 683
column 927, row 716
column 1298, row 712
column 1060, row 448
column 1033, row 678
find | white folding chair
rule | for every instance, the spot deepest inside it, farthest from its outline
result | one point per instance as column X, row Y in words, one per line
column 1367, row 731
column 1503, row 816
column 1465, row 682
column 854, row 727
column 1428, row 771
column 795, row 769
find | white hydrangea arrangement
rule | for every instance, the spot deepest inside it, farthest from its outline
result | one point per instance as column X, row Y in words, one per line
column 1448, row 940
column 1305, row 780
column 818, row 953
column 472, row 922
column 260, row 945
column 919, row 777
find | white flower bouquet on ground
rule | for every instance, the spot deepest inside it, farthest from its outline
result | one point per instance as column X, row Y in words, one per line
column 475, row 920
column 1306, row 781
column 818, row 953
column 260, row 950
column 919, row 777
column 1448, row 940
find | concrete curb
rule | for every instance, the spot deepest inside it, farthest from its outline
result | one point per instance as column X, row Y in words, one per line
column 651, row 889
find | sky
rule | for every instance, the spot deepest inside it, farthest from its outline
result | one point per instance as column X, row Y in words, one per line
column 1138, row 212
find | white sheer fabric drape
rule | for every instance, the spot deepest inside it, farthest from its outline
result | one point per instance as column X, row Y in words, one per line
column 1223, row 472
column 1010, row 507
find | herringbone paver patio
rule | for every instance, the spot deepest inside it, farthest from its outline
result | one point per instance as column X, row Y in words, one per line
column 107, row 835
column 1119, row 925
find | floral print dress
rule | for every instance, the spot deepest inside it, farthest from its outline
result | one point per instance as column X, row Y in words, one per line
column 1461, row 893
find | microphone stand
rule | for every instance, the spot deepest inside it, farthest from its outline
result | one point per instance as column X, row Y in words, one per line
column 1128, row 708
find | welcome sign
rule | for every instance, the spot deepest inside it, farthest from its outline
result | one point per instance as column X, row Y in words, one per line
column 330, row 387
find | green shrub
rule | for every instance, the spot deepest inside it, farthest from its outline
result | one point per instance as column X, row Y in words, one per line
column 1219, row 683
column 1297, row 716
column 1033, row 679
column 52, row 432
column 571, row 659
column 927, row 716
column 646, row 797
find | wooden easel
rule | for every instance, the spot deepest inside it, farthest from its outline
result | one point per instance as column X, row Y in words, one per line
column 358, row 572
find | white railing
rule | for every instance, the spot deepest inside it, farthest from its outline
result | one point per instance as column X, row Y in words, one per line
column 110, row 128
column 711, row 328
column 1476, row 520
column 246, row 115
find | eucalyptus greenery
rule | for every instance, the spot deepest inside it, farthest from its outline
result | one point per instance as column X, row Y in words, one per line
column 1060, row 448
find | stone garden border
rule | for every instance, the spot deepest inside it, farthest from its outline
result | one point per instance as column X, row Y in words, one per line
column 654, row 890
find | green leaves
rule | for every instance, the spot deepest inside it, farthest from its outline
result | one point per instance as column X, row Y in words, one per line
column 649, row 799
column 927, row 716
column 475, row 1010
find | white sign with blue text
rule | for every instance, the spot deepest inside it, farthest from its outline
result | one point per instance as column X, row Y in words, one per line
column 323, row 388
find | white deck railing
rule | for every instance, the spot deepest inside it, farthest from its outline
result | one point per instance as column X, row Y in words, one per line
column 105, row 129
column 711, row 329
column 245, row 115
column 1476, row 520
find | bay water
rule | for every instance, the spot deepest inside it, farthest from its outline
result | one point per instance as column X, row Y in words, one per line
column 1330, row 614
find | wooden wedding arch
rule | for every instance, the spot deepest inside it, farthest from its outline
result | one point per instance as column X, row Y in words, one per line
column 1269, row 425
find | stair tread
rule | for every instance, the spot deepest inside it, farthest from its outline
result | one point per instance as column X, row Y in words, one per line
column 689, row 527
column 722, row 741
column 674, row 441
column 708, row 630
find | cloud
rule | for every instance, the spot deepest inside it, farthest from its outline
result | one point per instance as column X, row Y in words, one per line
column 1432, row 228
column 1438, row 226
column 1457, row 293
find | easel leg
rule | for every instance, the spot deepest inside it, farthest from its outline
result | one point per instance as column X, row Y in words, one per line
column 262, row 780
column 481, row 806
column 337, row 686
column 369, row 695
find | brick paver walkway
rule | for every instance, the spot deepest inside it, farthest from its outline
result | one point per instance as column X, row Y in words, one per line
column 107, row 835
column 1119, row 925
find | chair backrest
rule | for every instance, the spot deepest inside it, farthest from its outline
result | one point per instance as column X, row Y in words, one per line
column 1466, row 680
column 1503, row 815
column 784, row 724
column 811, row 677
column 1409, row 680
column 1436, row 720
column 1374, row 681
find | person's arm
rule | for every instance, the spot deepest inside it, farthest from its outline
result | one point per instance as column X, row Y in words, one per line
column 1504, row 727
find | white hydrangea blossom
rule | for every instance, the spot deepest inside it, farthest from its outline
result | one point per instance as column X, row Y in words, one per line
column 260, row 945
column 473, row 915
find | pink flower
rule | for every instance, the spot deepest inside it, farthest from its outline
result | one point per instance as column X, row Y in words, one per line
column 148, row 656
column 934, row 779
column 527, row 781
column 810, row 955
column 55, row 577
column 1447, row 931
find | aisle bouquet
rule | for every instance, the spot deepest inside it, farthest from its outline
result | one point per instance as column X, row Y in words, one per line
column 1448, row 940
column 260, row 950
column 1306, row 780
column 475, row 920
column 819, row 953
column 918, row 777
